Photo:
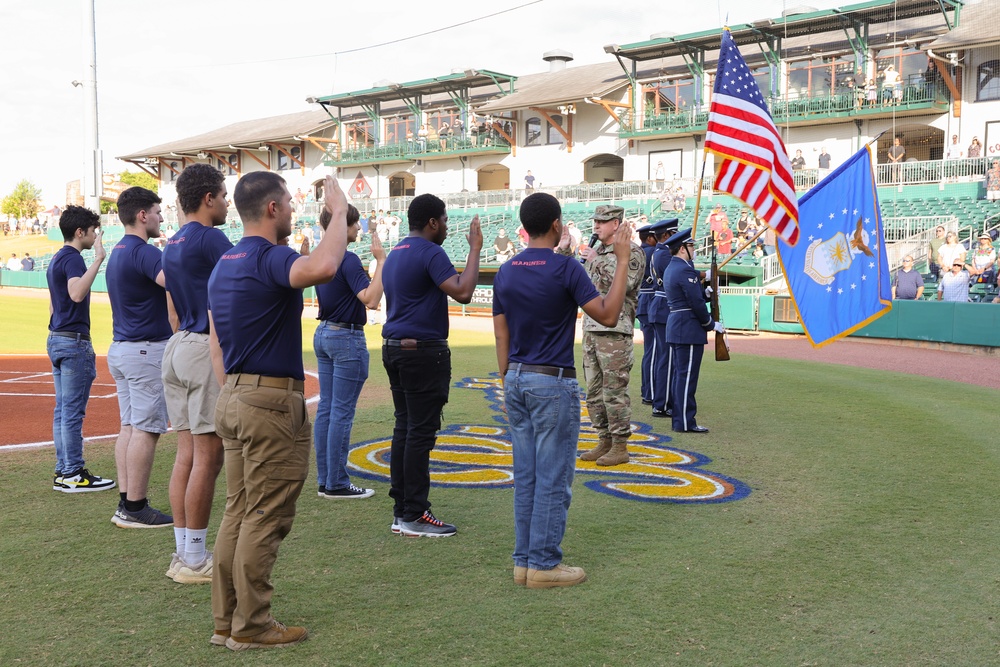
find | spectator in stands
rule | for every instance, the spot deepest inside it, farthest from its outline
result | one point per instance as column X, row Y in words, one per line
column 798, row 162
column 824, row 160
column 443, row 133
column 716, row 219
column 724, row 240
column 993, row 182
column 933, row 247
column 871, row 93
column 897, row 155
column 522, row 237
column 859, row 89
column 892, row 85
column 952, row 251
column 422, row 138
column 393, row 221
column 954, row 286
column 660, row 176
column 27, row 263
column 432, row 138
column 975, row 148
column 955, row 151
column 503, row 246
column 984, row 258
column 529, row 182
column 742, row 223
column 457, row 132
column 680, row 201
column 575, row 236
column 909, row 284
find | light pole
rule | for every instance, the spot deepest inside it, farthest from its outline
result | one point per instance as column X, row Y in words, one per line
column 91, row 185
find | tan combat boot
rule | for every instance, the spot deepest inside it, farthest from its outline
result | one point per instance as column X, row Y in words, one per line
column 617, row 455
column 603, row 447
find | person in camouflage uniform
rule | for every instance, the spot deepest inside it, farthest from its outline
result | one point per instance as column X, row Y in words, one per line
column 607, row 351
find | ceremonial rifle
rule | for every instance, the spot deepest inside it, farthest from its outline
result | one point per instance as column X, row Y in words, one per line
column 721, row 344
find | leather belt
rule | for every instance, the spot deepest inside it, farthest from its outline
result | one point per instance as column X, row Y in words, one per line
column 344, row 325
column 554, row 371
column 70, row 334
column 413, row 343
column 271, row 382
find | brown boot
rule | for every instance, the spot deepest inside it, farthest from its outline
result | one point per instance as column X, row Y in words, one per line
column 560, row 575
column 603, row 447
column 617, row 455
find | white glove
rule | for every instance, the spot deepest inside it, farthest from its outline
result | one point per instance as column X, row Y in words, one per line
column 708, row 275
column 719, row 328
column 708, row 292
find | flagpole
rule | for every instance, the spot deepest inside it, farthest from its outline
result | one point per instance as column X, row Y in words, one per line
column 744, row 246
column 697, row 199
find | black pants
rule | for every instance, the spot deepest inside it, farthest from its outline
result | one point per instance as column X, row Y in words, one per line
column 419, row 379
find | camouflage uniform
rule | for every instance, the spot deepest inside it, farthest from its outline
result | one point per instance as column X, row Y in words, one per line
column 607, row 351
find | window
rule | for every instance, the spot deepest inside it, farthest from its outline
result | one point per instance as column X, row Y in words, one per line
column 396, row 128
column 359, row 134
column 909, row 62
column 283, row 160
column 439, row 117
column 554, row 137
column 229, row 166
column 533, row 132
column 669, row 96
column 172, row 171
column 988, row 81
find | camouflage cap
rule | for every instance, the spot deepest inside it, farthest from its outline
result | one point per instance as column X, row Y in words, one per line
column 605, row 213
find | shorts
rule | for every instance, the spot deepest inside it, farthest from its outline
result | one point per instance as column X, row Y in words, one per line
column 189, row 383
column 135, row 367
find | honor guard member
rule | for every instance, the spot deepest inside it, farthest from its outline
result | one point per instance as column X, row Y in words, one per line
column 255, row 315
column 607, row 350
column 687, row 330
column 658, row 312
column 536, row 297
column 647, row 241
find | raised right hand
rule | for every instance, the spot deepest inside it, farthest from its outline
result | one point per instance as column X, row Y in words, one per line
column 99, row 252
column 623, row 242
column 378, row 252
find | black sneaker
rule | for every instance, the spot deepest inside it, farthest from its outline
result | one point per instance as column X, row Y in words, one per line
column 147, row 517
column 426, row 526
column 349, row 491
column 662, row 413
column 82, row 481
column 57, row 483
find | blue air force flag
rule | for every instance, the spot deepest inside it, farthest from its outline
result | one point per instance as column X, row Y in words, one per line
column 838, row 273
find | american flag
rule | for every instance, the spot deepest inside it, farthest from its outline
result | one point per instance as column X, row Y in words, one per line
column 754, row 166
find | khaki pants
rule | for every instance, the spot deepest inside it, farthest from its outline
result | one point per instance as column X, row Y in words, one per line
column 267, row 438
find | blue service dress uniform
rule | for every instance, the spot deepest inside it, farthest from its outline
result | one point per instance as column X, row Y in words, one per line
column 686, row 333
column 646, row 289
column 659, row 310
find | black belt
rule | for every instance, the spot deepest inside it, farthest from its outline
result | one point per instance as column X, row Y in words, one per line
column 290, row 384
column 412, row 343
column 70, row 334
column 344, row 325
column 554, row 371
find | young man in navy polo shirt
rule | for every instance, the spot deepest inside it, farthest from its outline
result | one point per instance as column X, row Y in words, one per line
column 69, row 346
column 190, row 386
column 141, row 330
column 342, row 357
column 255, row 315
column 535, row 300
column 418, row 280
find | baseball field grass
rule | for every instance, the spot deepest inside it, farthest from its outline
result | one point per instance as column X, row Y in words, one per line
column 869, row 537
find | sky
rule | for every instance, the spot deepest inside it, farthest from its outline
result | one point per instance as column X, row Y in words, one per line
column 170, row 70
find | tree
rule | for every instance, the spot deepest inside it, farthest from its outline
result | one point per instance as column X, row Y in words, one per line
column 23, row 201
column 131, row 179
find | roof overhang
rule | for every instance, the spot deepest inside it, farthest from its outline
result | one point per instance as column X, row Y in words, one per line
column 450, row 83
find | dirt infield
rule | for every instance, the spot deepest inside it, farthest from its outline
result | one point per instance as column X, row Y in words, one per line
column 27, row 399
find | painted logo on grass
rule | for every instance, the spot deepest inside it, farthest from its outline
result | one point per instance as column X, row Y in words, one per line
column 479, row 455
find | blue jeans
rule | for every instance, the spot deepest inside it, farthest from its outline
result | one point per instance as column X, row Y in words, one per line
column 544, row 416
column 73, row 372
column 342, row 356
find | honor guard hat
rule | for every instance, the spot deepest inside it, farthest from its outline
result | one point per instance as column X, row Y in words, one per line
column 662, row 226
column 677, row 240
column 608, row 212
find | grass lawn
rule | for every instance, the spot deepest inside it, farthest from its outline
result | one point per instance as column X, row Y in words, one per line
column 867, row 539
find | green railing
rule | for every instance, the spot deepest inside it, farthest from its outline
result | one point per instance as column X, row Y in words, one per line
column 419, row 149
column 793, row 109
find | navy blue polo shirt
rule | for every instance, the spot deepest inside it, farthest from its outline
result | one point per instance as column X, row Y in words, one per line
column 415, row 305
column 538, row 293
column 338, row 299
column 257, row 313
column 188, row 260
column 138, row 304
column 67, row 315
